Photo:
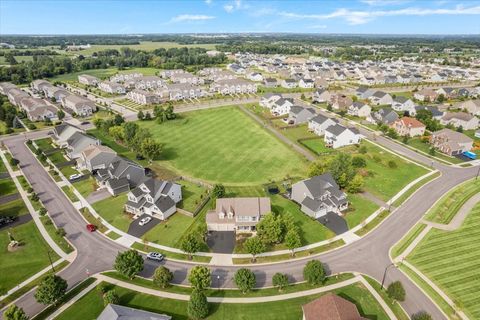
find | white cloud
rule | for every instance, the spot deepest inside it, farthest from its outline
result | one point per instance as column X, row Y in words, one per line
column 228, row 7
column 235, row 5
column 355, row 17
column 384, row 2
column 209, row 2
column 191, row 17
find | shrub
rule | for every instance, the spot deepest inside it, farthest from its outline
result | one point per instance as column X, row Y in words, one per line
column 422, row 315
column 245, row 279
column 359, row 162
column 42, row 211
column 35, row 197
column 29, row 189
column 396, row 291
column 392, row 164
column 377, row 159
column 13, row 162
column 197, row 305
column 102, row 288
column 110, row 297
column 61, row 232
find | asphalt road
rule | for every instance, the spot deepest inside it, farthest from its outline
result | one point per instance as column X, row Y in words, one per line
column 369, row 255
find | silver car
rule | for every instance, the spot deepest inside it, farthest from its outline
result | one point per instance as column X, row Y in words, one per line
column 155, row 256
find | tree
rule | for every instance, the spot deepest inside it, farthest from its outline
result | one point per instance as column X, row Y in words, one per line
column 162, row 277
column 254, row 246
column 292, row 240
column 342, row 169
column 190, row 244
column 218, row 191
column 117, row 133
column 130, row 130
column 245, row 279
column 129, row 263
column 270, row 229
column 396, row 291
column 460, row 129
column 441, row 98
column 148, row 116
column 151, row 149
column 60, row 114
column 110, row 297
column 359, row 162
column 51, row 289
column 422, row 315
column 318, row 167
column 200, row 277
column 14, row 313
column 118, row 120
column 197, row 305
column 313, row 272
column 140, row 115
column 13, row 162
column 280, row 280
column 356, row 184
column 391, row 133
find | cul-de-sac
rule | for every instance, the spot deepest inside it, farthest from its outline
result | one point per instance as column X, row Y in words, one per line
column 239, row 160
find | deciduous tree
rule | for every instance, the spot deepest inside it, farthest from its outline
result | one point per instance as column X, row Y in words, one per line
column 51, row 289
column 280, row 280
column 313, row 272
column 244, row 279
column 396, row 291
column 254, row 246
column 200, row 277
column 162, row 277
column 129, row 263
column 14, row 313
column 197, row 305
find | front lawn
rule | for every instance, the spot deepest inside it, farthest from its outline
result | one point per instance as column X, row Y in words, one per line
column 359, row 209
column 7, row 186
column 91, row 305
column 419, row 144
column 224, row 145
column 44, row 144
column 170, row 231
column 68, row 171
column 30, row 258
column 14, row 208
column 57, row 157
column 451, row 260
column 112, row 210
column 86, row 186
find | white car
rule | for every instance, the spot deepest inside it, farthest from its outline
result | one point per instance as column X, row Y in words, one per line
column 75, row 176
column 144, row 221
column 155, row 256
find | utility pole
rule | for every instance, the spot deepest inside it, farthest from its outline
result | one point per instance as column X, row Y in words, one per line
column 50, row 259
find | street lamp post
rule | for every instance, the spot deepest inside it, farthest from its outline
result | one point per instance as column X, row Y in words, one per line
column 50, row 259
column 385, row 272
column 478, row 173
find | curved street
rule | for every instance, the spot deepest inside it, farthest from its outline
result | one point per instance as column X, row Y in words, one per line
column 369, row 255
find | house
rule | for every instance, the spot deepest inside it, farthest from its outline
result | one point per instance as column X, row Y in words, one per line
column 281, row 106
column 125, row 77
column 472, row 106
column 143, row 97
column 319, row 195
column 306, row 83
column 88, row 80
column 426, row 94
column 407, row 126
column 321, row 95
column 233, row 86
column 340, row 101
column 38, row 109
column 237, row 214
column 330, row 307
column 156, row 198
column 381, row 98
column 63, row 132
column 384, row 115
column 364, row 92
column 120, row 175
column 320, row 82
column 448, row 93
column 80, row 105
column 338, row 136
column 5, row 87
column 55, row 93
column 299, row 115
column 117, row 312
column 460, row 119
column 16, row 95
column 39, row 85
column 451, row 142
column 319, row 123
column 359, row 109
column 255, row 76
column 77, row 143
column 95, row 157
column 186, row 77
column 436, row 114
column 268, row 99
column 180, row 91
column 148, row 82
column 270, row 83
column 112, row 87
column 401, row 103
column 169, row 73
column 289, row 83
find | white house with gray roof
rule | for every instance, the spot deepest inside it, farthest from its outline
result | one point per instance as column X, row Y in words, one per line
column 63, row 132
column 380, row 98
column 156, row 198
column 319, row 195
column 80, row 105
column 78, row 142
column 320, row 123
column 338, row 136
column 460, row 119
column 401, row 103
column 120, row 175
column 359, row 109
column 117, row 312
column 299, row 115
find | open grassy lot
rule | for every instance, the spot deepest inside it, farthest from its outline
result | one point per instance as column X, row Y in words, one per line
column 57, row 157
column 447, row 207
column 91, row 305
column 109, row 142
column 27, row 260
column 14, row 208
column 44, row 144
column 7, row 186
column 111, row 209
column 451, row 260
column 68, row 171
column 192, row 194
column 224, row 145
column 359, row 209
column 103, row 73
column 85, row 187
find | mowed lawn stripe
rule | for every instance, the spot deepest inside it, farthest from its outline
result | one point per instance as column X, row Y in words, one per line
column 452, row 260
column 224, row 145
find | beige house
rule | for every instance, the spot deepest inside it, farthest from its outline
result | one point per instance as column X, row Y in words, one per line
column 451, row 142
column 460, row 119
column 88, row 80
column 410, row 127
column 143, row 97
column 80, row 105
column 237, row 214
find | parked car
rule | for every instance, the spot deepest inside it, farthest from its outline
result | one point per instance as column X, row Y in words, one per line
column 144, row 221
column 155, row 256
column 74, row 176
column 91, row 227
column 6, row 220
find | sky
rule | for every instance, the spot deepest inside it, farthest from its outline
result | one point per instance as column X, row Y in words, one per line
column 233, row 16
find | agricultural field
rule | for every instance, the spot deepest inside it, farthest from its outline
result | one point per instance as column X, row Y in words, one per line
column 103, row 73
column 91, row 305
column 224, row 145
column 450, row 259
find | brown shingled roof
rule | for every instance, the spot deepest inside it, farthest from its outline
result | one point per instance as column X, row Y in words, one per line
column 330, row 307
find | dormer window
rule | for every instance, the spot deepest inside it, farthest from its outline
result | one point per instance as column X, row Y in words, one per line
column 230, row 215
column 221, row 215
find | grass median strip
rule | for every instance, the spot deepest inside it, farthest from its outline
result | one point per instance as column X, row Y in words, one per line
column 414, row 188
column 372, row 224
column 407, row 240
column 394, row 305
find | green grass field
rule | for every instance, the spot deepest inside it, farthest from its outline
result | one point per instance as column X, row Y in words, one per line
column 85, row 187
column 70, row 193
column 192, row 195
column 103, row 73
column 91, row 305
column 359, row 209
column 14, row 208
column 27, row 260
column 447, row 207
column 224, row 145
column 7, row 186
column 451, row 260
column 111, row 209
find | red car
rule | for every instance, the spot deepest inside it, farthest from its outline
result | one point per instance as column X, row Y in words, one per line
column 91, row 227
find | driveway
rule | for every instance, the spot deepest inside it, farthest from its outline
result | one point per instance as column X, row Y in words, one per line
column 221, row 241
column 334, row 222
column 137, row 230
column 98, row 195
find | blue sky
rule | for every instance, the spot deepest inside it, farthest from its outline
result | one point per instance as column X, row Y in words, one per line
column 189, row 16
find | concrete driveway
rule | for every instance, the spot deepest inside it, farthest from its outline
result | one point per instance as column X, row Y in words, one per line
column 334, row 222
column 221, row 241
column 98, row 195
column 137, row 230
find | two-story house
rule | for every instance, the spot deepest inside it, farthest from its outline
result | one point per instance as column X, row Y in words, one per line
column 320, row 123
column 409, row 127
column 299, row 115
column 338, row 136
column 237, row 214
column 120, row 175
column 95, row 157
